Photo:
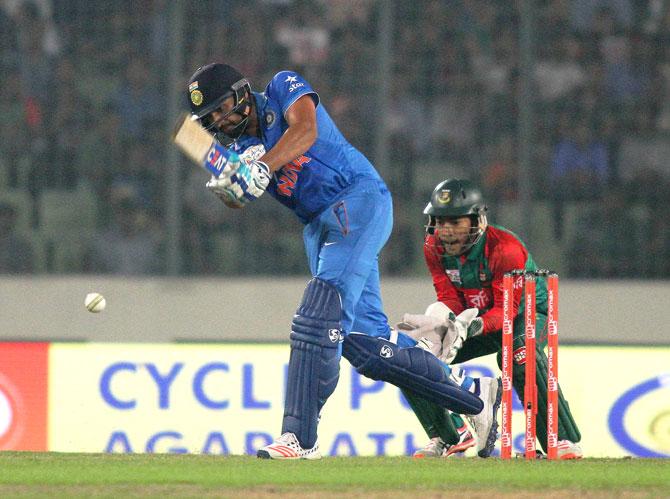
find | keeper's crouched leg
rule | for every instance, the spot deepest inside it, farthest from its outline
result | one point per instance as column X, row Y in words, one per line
column 411, row 369
column 314, row 364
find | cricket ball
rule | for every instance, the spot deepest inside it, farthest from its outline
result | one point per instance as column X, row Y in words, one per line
column 95, row 302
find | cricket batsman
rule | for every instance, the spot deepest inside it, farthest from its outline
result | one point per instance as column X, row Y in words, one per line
column 284, row 142
column 467, row 258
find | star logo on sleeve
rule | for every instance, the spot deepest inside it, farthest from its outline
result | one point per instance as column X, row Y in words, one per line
column 291, row 79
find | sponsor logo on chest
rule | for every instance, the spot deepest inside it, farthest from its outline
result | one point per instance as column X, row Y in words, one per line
column 287, row 176
column 480, row 298
column 454, row 275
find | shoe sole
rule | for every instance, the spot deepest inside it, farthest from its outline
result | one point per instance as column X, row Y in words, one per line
column 263, row 454
column 425, row 456
column 493, row 434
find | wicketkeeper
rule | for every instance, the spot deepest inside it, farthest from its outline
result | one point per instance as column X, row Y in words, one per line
column 284, row 142
column 467, row 258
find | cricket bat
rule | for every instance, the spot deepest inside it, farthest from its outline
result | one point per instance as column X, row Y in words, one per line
column 199, row 146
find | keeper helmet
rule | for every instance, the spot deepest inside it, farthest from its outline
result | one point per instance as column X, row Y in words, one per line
column 209, row 86
column 454, row 198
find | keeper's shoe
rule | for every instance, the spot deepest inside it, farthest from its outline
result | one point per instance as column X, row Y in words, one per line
column 465, row 440
column 288, row 447
column 569, row 450
column 437, row 448
column 485, row 423
column 434, row 448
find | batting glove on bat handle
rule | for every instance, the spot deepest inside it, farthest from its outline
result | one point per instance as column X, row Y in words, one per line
column 240, row 182
column 217, row 160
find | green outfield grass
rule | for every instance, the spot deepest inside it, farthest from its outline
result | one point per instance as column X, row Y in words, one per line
column 27, row 474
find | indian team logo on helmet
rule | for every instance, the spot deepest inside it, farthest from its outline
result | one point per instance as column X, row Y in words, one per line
column 386, row 352
column 444, row 197
column 196, row 97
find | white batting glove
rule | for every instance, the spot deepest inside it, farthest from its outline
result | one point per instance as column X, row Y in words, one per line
column 461, row 327
column 240, row 181
column 223, row 188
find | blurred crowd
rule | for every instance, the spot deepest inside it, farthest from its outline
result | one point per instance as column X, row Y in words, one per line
column 84, row 126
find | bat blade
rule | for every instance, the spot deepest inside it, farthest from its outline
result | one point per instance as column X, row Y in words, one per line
column 201, row 147
column 191, row 138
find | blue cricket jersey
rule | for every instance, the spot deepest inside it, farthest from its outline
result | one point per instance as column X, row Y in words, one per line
column 312, row 182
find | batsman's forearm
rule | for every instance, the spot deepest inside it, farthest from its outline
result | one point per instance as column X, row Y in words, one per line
column 295, row 141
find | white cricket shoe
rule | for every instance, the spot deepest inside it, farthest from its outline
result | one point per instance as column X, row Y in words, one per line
column 437, row 448
column 569, row 450
column 288, row 447
column 434, row 448
column 485, row 423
